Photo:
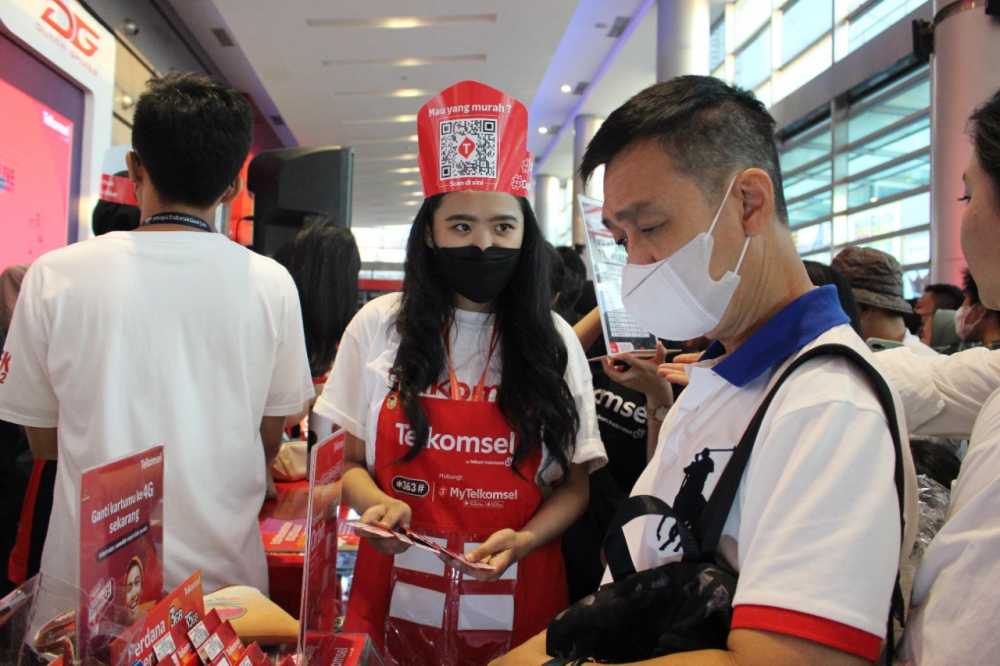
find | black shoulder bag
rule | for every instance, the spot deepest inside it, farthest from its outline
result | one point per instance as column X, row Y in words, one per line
column 687, row 605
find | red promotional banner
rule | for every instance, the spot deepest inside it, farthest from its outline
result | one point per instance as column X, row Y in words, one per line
column 474, row 137
column 121, row 541
column 320, row 585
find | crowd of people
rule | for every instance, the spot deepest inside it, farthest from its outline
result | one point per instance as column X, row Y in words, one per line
column 780, row 482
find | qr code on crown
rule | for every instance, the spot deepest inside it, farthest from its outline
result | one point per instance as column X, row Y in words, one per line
column 468, row 148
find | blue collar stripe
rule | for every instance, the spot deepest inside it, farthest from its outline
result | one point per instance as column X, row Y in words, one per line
column 796, row 325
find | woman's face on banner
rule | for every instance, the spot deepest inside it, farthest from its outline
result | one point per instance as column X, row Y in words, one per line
column 133, row 587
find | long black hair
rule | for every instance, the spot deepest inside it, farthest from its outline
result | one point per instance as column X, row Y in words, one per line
column 324, row 262
column 534, row 396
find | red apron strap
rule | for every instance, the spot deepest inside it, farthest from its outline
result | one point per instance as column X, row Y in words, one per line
column 479, row 392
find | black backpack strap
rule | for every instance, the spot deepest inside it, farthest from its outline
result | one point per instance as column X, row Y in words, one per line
column 716, row 512
column 616, row 550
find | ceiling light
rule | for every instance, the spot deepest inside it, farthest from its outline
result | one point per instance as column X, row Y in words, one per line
column 411, row 203
column 407, row 183
column 407, row 62
column 543, row 130
column 384, row 119
column 407, row 170
column 401, row 92
column 400, row 22
column 566, row 88
column 417, row 194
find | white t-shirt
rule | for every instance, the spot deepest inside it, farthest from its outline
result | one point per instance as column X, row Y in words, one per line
column 955, row 600
column 943, row 395
column 184, row 339
column 814, row 529
column 360, row 380
column 911, row 341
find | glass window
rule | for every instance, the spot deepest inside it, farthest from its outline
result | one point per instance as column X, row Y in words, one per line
column 753, row 63
column 901, row 141
column 880, row 16
column 809, row 180
column 810, row 239
column 900, row 105
column 810, row 209
column 745, row 18
column 914, row 282
column 906, row 213
column 822, row 257
column 909, row 249
column 720, row 72
column 804, row 69
column 802, row 23
column 717, row 45
column 809, row 150
column 903, row 177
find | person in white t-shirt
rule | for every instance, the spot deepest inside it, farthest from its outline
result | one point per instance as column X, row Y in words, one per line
column 469, row 408
column 170, row 334
column 955, row 603
column 693, row 189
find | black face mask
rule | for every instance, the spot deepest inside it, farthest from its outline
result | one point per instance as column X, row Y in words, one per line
column 478, row 275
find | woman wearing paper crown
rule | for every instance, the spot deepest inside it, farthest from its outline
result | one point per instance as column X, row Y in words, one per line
column 469, row 406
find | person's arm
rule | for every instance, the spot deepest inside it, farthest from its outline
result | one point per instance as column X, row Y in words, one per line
column 43, row 442
column 745, row 647
column 941, row 395
column 364, row 496
column 588, row 329
column 553, row 517
column 643, row 377
column 271, row 430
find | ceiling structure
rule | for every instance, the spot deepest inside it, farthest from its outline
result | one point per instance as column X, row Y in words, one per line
column 339, row 73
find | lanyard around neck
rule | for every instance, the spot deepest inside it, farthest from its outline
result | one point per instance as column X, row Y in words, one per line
column 479, row 392
column 183, row 219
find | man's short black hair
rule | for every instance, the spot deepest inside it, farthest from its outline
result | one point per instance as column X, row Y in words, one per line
column 946, row 296
column 192, row 134
column 708, row 128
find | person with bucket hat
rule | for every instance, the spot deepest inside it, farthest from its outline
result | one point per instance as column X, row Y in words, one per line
column 877, row 282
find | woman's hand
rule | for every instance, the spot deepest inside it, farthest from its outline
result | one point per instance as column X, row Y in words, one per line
column 675, row 372
column 642, row 376
column 501, row 550
column 390, row 514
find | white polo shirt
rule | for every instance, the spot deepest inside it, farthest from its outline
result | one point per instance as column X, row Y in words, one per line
column 359, row 381
column 814, row 530
column 179, row 338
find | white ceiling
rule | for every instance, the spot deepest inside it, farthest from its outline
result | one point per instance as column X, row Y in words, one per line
column 345, row 103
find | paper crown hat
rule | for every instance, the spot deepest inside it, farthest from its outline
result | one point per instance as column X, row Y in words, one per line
column 474, row 137
column 115, row 188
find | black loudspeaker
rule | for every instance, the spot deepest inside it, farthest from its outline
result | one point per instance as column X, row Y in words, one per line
column 291, row 183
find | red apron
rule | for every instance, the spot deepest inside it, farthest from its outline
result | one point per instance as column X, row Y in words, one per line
column 462, row 489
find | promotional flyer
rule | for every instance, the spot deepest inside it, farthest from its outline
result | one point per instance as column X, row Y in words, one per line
column 608, row 259
column 320, row 585
column 121, row 541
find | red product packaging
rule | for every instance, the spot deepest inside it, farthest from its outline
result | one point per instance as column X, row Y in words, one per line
column 223, row 641
column 184, row 653
column 152, row 637
column 288, row 661
column 202, row 631
column 221, row 660
column 253, row 656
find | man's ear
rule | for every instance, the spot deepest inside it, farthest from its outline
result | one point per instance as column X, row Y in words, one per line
column 232, row 191
column 755, row 190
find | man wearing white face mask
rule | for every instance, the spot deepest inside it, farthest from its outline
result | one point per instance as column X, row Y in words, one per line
column 693, row 189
